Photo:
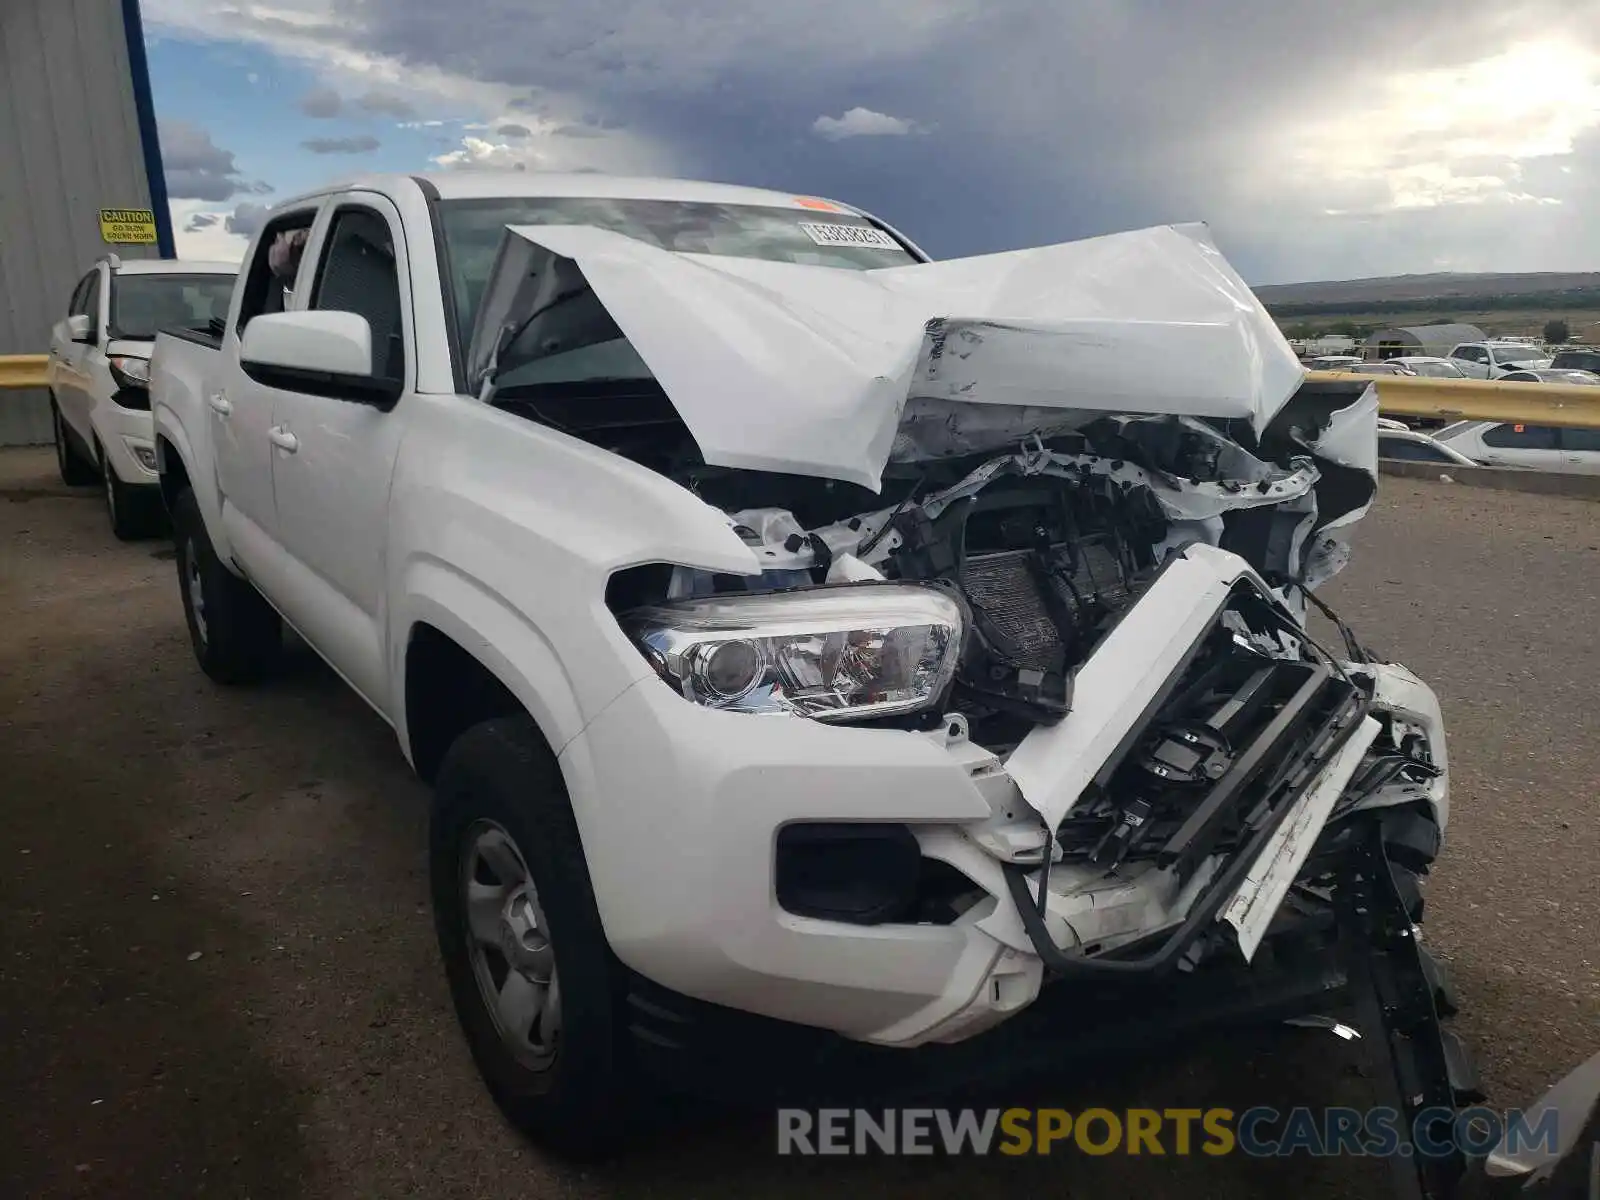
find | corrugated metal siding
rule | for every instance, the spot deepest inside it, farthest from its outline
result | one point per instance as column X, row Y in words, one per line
column 69, row 146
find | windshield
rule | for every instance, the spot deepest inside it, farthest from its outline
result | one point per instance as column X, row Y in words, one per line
column 1439, row 370
column 472, row 231
column 142, row 305
column 1516, row 352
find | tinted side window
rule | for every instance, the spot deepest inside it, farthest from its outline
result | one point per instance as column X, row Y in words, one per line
column 266, row 289
column 1581, row 440
column 358, row 274
column 76, row 307
column 1521, row 437
column 1389, row 447
column 91, row 300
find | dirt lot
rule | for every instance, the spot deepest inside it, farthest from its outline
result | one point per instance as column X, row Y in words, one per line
column 217, row 974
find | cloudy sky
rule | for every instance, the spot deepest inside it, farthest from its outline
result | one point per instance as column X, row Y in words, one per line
column 1319, row 141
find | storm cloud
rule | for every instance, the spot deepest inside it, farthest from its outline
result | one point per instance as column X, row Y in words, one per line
column 1464, row 137
column 197, row 168
column 322, row 103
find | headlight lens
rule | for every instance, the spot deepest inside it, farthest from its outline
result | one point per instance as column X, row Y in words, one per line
column 130, row 371
column 836, row 654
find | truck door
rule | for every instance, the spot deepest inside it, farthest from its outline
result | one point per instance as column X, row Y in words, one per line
column 1473, row 361
column 241, row 412
column 333, row 454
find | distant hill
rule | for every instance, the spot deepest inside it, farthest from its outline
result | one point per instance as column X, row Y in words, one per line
column 1443, row 292
column 1427, row 287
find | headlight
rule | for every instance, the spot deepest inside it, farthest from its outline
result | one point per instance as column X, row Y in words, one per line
column 836, row 654
column 129, row 371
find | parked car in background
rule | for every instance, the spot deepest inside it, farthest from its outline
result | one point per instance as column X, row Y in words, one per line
column 1332, row 362
column 1492, row 359
column 1430, row 367
column 1533, row 447
column 1551, row 375
column 98, row 374
column 1397, row 440
column 1371, row 368
column 1576, row 360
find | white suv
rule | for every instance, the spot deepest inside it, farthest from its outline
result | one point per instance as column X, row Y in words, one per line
column 1491, row 360
column 99, row 374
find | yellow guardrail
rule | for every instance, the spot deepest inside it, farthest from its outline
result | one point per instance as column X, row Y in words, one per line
column 1451, row 399
column 22, row 370
column 1571, row 405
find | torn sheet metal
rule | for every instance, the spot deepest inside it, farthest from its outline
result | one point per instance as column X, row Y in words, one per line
column 808, row 370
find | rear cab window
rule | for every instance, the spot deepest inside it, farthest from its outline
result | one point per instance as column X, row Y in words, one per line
column 358, row 272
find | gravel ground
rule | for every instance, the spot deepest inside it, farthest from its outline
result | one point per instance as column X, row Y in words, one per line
column 217, row 972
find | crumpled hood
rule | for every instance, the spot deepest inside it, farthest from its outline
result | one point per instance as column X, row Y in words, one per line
column 810, row 370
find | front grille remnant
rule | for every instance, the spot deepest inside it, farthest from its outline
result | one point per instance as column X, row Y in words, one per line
column 1006, row 590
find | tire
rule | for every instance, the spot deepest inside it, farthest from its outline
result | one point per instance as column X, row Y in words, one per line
column 236, row 635
column 577, row 1101
column 134, row 512
column 76, row 471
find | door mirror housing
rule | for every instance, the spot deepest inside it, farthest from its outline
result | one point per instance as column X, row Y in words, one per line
column 78, row 328
column 320, row 352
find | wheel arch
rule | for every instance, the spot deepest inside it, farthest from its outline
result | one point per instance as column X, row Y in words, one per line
column 462, row 655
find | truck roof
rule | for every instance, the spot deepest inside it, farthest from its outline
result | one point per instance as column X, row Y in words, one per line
column 495, row 185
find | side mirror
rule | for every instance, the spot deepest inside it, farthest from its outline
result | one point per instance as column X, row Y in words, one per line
column 319, row 352
column 80, row 328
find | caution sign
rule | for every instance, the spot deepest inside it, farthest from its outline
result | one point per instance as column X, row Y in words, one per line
column 127, row 226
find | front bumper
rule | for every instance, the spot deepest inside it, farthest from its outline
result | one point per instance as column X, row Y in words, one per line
column 128, row 439
column 680, row 809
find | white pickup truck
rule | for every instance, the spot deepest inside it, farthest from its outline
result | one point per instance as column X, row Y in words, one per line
column 809, row 644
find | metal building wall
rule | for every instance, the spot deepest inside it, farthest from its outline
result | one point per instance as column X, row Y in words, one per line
column 70, row 145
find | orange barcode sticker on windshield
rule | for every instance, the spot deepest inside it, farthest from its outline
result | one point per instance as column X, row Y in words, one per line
column 819, row 205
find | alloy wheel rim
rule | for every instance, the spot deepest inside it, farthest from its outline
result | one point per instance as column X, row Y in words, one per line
column 508, row 944
column 195, row 589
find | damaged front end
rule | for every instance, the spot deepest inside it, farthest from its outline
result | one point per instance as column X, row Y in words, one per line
column 1070, row 537
column 1109, row 628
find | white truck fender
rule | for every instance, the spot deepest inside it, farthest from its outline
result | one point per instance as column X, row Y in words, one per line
column 501, row 639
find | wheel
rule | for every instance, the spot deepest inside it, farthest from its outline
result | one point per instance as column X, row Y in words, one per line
column 76, row 471
column 236, row 635
column 133, row 512
column 531, row 974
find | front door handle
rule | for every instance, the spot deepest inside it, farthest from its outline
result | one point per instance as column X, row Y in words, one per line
column 283, row 439
column 220, row 404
